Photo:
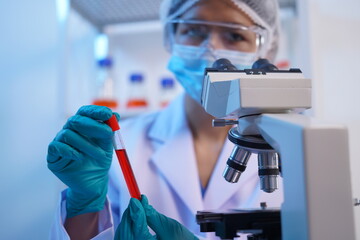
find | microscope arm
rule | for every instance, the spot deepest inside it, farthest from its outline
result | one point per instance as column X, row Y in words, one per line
column 316, row 171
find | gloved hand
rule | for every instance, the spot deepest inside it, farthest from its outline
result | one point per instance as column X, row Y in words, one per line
column 80, row 156
column 133, row 224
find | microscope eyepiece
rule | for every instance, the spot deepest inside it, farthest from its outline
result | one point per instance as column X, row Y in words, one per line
column 224, row 64
column 264, row 64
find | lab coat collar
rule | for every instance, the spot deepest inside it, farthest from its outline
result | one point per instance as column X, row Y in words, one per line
column 176, row 110
column 219, row 191
column 175, row 159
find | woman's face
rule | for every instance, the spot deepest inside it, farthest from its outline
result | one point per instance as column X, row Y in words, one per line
column 218, row 37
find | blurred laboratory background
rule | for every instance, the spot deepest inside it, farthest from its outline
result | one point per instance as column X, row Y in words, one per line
column 58, row 55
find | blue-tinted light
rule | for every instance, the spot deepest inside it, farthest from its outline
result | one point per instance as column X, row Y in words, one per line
column 62, row 7
column 101, row 46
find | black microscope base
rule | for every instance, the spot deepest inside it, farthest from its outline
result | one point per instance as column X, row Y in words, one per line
column 262, row 224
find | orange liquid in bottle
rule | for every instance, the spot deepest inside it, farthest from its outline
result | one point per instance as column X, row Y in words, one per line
column 133, row 103
column 106, row 102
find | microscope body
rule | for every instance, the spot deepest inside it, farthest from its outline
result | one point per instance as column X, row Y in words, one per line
column 314, row 155
column 316, row 176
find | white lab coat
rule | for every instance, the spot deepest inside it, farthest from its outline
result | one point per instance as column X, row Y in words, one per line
column 161, row 151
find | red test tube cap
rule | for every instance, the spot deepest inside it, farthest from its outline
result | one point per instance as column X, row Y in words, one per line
column 113, row 123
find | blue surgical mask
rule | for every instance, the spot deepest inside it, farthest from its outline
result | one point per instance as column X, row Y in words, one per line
column 189, row 62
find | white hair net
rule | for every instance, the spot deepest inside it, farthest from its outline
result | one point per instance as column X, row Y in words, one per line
column 261, row 12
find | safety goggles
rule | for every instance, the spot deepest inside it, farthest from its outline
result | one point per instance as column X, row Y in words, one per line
column 230, row 36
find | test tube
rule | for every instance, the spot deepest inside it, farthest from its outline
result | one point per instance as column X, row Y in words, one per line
column 123, row 158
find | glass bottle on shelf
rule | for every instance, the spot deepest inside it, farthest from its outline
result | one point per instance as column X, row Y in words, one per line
column 167, row 91
column 105, row 84
column 137, row 97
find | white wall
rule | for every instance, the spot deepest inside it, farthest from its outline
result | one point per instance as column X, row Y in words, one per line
column 28, row 44
column 77, row 70
column 328, row 51
column 30, row 116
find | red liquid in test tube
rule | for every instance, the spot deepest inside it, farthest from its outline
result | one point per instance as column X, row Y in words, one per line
column 123, row 159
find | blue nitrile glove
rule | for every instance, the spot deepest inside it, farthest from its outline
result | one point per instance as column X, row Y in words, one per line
column 165, row 227
column 80, row 156
column 133, row 225
column 138, row 216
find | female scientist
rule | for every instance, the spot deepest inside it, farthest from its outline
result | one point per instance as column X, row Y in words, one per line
column 176, row 154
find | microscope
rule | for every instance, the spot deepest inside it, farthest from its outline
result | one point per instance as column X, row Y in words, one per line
column 265, row 105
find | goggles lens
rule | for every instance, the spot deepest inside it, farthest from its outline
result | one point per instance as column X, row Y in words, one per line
column 219, row 35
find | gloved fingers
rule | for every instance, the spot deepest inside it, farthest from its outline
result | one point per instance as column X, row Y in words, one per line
column 95, row 112
column 89, row 127
column 165, row 227
column 80, row 143
column 139, row 219
column 156, row 221
column 149, row 210
column 117, row 116
column 61, row 155
column 144, row 201
column 123, row 230
column 133, row 223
